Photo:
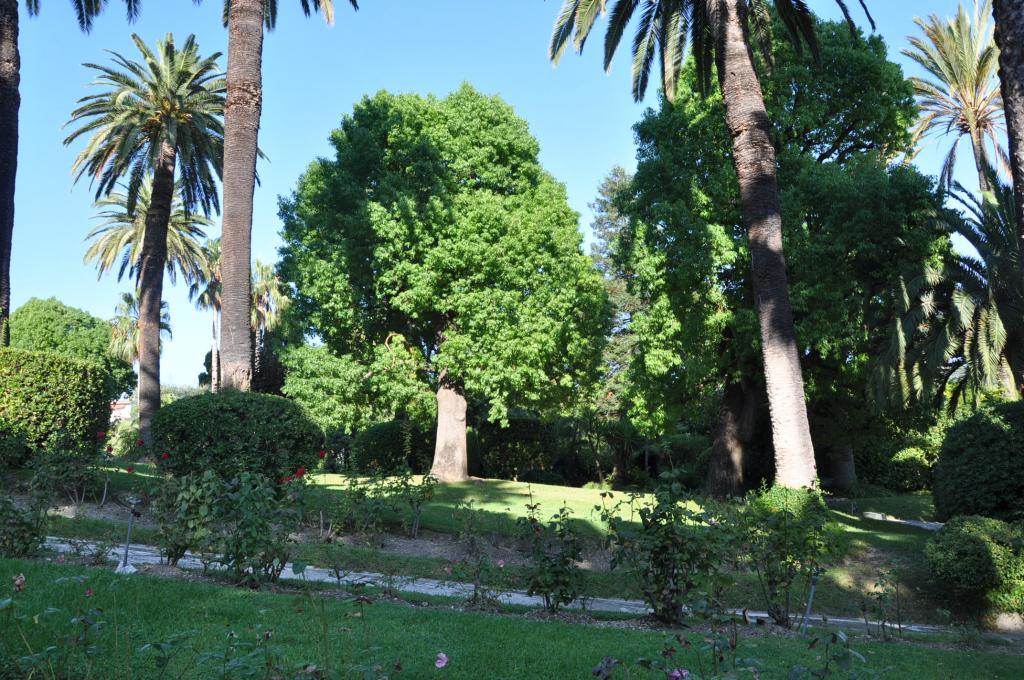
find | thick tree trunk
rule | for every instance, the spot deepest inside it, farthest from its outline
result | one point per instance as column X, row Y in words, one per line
column 153, row 259
column 1009, row 34
column 10, row 102
column 737, row 418
column 451, row 458
column 241, row 129
column 754, row 158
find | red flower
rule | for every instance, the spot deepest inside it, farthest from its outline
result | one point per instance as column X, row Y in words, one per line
column 88, row 592
column 286, row 479
column 139, row 442
column 130, row 469
column 110, row 449
column 300, row 472
column 101, row 434
column 322, row 454
column 164, row 456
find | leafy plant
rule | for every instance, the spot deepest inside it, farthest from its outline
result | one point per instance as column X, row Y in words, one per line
column 680, row 550
column 486, row 577
column 555, row 551
column 786, row 537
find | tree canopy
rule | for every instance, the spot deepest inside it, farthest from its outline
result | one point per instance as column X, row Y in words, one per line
column 434, row 240
column 51, row 326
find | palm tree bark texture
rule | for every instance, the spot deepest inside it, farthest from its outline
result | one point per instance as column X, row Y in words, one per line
column 1009, row 35
column 10, row 102
column 754, row 158
column 241, row 130
column 151, row 283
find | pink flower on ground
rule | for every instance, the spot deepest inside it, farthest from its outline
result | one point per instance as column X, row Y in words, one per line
column 19, row 583
column 501, row 564
column 60, row 558
column 130, row 469
column 88, row 592
column 678, row 674
column 448, row 569
column 442, row 660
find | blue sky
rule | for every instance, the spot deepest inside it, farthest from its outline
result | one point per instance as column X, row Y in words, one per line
column 313, row 74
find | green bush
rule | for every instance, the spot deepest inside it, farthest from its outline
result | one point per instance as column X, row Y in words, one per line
column 50, row 399
column 980, row 561
column 13, row 448
column 909, row 470
column 391, row 446
column 981, row 465
column 233, row 432
column 526, row 443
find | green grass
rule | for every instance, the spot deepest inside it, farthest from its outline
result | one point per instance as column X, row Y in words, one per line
column 139, row 610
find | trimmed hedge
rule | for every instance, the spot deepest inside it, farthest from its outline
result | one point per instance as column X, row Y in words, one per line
column 980, row 561
column 50, row 399
column 909, row 470
column 980, row 470
column 392, row 446
column 233, row 432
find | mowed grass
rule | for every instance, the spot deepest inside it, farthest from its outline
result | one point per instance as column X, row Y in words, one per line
column 138, row 610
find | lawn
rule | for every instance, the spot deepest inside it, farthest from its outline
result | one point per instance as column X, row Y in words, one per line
column 202, row 622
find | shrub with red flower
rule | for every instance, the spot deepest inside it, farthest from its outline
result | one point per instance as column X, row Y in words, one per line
column 139, row 442
column 164, row 456
column 322, row 454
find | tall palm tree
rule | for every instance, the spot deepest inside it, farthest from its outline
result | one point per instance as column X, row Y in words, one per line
column 960, row 96
column 961, row 325
column 719, row 30
column 205, row 290
column 10, row 103
column 269, row 300
column 117, row 239
column 124, row 337
column 245, row 20
column 1009, row 35
column 154, row 118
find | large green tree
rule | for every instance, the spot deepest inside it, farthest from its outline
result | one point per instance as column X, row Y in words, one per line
column 721, row 33
column 157, row 117
column 245, row 20
column 434, row 230
column 51, row 326
column 851, row 223
column 10, row 103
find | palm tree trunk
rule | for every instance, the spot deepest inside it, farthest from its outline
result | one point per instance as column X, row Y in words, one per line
column 241, row 129
column 451, row 458
column 754, row 158
column 980, row 162
column 214, row 358
column 1009, row 34
column 151, row 282
column 10, row 102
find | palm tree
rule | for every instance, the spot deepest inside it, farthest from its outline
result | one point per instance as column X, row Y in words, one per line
column 245, row 20
column 269, row 300
column 1009, row 36
column 719, row 32
column 119, row 236
column 10, row 103
column 205, row 290
column 960, row 96
column 961, row 326
column 124, row 337
column 154, row 118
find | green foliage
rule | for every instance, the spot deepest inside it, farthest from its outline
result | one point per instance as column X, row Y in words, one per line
column 391, row 447
column 980, row 562
column 555, row 552
column 232, row 432
column 125, row 439
column 244, row 521
column 22, row 530
column 981, row 466
column 522, row 445
column 13, row 447
column 51, row 326
column 52, row 399
column 910, row 469
column 680, row 550
column 486, row 577
column 434, row 240
column 852, row 223
column 787, row 536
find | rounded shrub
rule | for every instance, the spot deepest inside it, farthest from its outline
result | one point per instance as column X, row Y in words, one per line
column 53, row 401
column 980, row 470
column 909, row 470
column 980, row 562
column 390, row 446
column 233, row 432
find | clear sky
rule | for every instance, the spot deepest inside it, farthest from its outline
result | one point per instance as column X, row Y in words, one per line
column 313, row 74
